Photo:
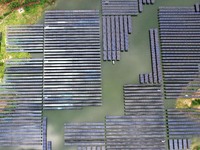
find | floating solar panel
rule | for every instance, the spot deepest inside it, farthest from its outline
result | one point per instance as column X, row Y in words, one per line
column 179, row 144
column 27, row 38
column 147, row 2
column 44, row 129
column 150, row 78
column 84, row 134
column 115, row 36
column 179, row 34
column 117, row 24
column 146, row 78
column 183, row 123
column 122, row 35
column 155, row 56
column 117, row 29
column 156, row 75
column 143, row 99
column 21, row 104
column 105, row 46
column 126, row 26
column 130, row 25
column 141, row 78
column 49, row 145
column 91, row 148
column 133, row 132
column 72, row 65
column 113, row 31
column 119, row 7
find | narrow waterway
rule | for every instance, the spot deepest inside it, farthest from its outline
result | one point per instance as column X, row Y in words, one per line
column 136, row 61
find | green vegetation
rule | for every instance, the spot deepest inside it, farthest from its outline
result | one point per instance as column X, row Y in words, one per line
column 196, row 102
column 14, row 5
column 188, row 99
column 196, row 144
column 188, row 103
column 9, row 15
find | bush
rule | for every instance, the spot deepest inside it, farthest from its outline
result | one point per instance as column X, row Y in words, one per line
column 14, row 5
column 196, row 102
column 30, row 1
column 7, row 1
column 6, row 14
column 27, row 8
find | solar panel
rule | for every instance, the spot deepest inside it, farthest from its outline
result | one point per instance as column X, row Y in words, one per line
column 178, row 32
column 84, row 134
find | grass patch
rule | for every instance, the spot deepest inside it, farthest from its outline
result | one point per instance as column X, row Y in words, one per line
column 30, row 16
column 189, row 98
column 195, row 144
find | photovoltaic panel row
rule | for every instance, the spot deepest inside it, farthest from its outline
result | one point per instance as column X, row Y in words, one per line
column 49, row 145
column 84, row 134
column 115, row 36
column 25, row 38
column 156, row 75
column 197, row 7
column 180, row 144
column 144, row 2
column 143, row 99
column 148, row 2
column 91, row 148
column 117, row 25
column 21, row 104
column 179, row 33
column 133, row 132
column 183, row 123
column 72, row 66
column 120, row 7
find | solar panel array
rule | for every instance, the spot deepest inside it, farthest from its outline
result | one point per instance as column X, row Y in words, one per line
column 117, row 25
column 71, row 72
column 143, row 99
column 68, row 77
column 143, row 126
column 72, row 66
column 179, row 33
column 47, row 145
column 156, row 75
column 120, row 7
column 115, row 36
column 25, row 38
column 135, row 132
column 183, row 123
column 91, row 148
column 84, row 134
column 44, row 129
column 179, row 144
column 148, row 2
column 21, row 104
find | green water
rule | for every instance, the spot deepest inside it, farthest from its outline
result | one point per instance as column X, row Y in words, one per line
column 126, row 71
